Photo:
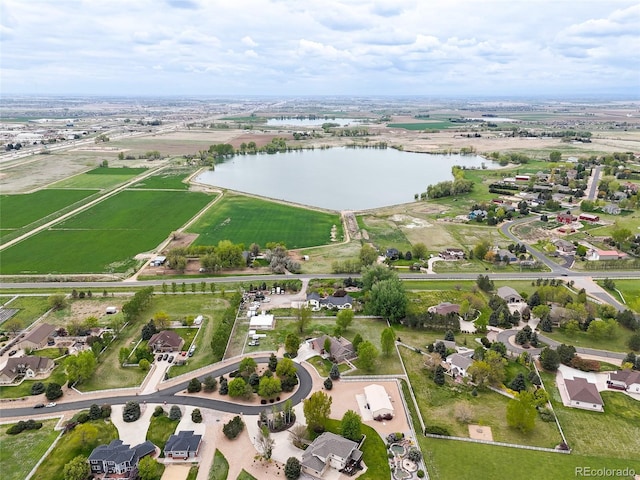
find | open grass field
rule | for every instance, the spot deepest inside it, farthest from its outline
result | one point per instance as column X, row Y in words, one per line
column 106, row 237
column 630, row 290
column 161, row 428
column 437, row 406
column 20, row 210
column 80, row 441
column 220, row 467
column 448, row 459
column 100, row 178
column 166, row 180
column 250, row 220
column 30, row 308
column 20, row 453
column 618, row 343
column 434, row 125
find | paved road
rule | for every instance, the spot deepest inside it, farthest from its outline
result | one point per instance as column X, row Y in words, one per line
column 169, row 395
column 593, row 188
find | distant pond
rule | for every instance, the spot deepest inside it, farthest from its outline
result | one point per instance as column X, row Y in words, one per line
column 311, row 121
column 339, row 178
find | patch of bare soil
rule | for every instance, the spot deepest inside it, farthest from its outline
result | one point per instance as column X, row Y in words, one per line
column 260, row 139
column 83, row 309
column 181, row 240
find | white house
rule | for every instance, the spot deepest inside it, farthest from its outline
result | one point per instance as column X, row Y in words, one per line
column 458, row 364
column 378, row 401
column 263, row 321
column 597, row 255
column 583, row 394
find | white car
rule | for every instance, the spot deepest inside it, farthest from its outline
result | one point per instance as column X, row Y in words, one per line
column 52, row 404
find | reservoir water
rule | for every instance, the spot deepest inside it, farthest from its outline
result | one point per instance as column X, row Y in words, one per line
column 310, row 122
column 338, row 178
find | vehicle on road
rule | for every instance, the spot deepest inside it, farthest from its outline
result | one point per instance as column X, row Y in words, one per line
column 170, row 359
column 51, row 404
column 39, row 405
column 12, row 353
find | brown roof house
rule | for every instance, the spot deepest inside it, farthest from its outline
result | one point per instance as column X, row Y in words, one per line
column 27, row 367
column 583, row 394
column 38, row 337
column 628, row 380
column 330, row 450
column 341, row 348
column 444, row 308
column 166, row 341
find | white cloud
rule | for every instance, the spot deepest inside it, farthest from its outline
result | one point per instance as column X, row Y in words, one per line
column 248, row 41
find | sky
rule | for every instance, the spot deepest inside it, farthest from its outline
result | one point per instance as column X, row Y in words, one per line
column 320, row 47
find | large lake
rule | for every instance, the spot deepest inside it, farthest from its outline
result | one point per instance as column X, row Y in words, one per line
column 338, row 178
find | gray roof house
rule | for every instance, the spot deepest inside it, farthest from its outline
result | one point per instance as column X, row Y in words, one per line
column 341, row 348
column 28, row 367
column 316, row 301
column 583, row 394
column 509, row 295
column 183, row 445
column 329, row 450
column 458, row 364
column 118, row 458
column 38, row 337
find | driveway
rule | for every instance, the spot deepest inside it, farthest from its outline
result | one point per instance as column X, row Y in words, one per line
column 132, row 433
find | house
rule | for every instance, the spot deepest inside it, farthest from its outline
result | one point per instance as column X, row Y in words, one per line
column 183, row 445
column 458, row 364
column 560, row 315
column 341, row 348
column 157, row 261
column 478, row 213
column 611, row 209
column 509, row 295
column 444, row 308
column 597, row 255
column 503, row 252
column 449, row 344
column 378, row 400
column 628, row 380
column 587, row 217
column 316, row 301
column 118, row 458
column 38, row 338
column 566, row 218
column 583, row 394
column 263, row 321
column 329, row 450
column 392, row 254
column 166, row 341
column 27, row 367
column 452, row 254
column 563, row 246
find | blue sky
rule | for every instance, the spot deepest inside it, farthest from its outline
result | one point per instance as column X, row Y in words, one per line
column 328, row 47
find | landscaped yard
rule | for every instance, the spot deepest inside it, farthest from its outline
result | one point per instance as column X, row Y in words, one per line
column 630, row 291
column 323, row 365
column 250, row 220
column 106, row 237
column 20, row 453
column 220, row 467
column 30, row 308
column 80, row 441
column 160, row 429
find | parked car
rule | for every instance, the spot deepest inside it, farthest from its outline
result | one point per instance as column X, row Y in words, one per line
column 51, row 404
column 254, row 343
column 159, row 357
column 39, row 405
column 165, row 356
column 12, row 353
column 171, row 359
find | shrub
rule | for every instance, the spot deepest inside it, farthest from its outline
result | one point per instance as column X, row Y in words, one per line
column 584, row 364
column 175, row 413
column 414, row 454
column 194, row 385
column 437, row 430
column 546, row 415
column 420, row 473
column 105, row 410
column 292, row 468
column 159, row 411
column 83, row 417
column 131, row 412
column 233, row 428
column 210, row 384
column 37, row 388
column 334, row 374
column 22, row 426
column 53, row 391
column 328, row 384
column 224, row 387
column 196, row 416
column 94, row 412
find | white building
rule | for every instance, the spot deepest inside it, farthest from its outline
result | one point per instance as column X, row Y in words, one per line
column 262, row 322
column 378, row 400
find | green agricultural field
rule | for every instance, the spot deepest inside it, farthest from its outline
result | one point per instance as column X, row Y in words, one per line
column 436, row 125
column 17, row 211
column 20, row 453
column 165, row 180
column 100, row 178
column 30, row 308
column 250, row 220
column 106, row 237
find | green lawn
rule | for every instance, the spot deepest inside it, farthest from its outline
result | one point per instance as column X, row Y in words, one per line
column 20, row 453
column 160, row 429
column 17, row 211
column 323, row 365
column 250, row 220
column 631, row 292
column 618, row 343
column 106, row 237
column 220, row 467
column 166, row 179
column 187, row 334
column 30, row 308
column 100, row 178
column 80, row 441
column 244, row 475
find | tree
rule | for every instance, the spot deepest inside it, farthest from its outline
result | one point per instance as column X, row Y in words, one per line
column 247, row 366
column 566, row 353
column 448, row 336
column 265, row 443
column 131, row 412
column 555, row 156
column 368, row 255
column 367, row 355
column 620, row 234
column 53, row 391
column 357, row 340
column 161, row 320
column 149, row 469
column 438, row 375
column 549, row 359
column 388, row 299
column 602, row 328
column 344, row 319
column 334, row 373
column 37, row 388
column 419, row 251
column 95, row 412
column 239, row 388
column 521, row 412
column 292, row 469
column 149, row 330
column 57, row 301
column 233, row 428
column 351, row 426
column 328, row 383
column 195, row 385
column 317, row 409
column 175, row 413
column 196, row 416
column 77, row 469
column 292, row 344
column 273, row 362
column 286, row 368
column 144, row 365
column 303, row 316
column 440, row 349
column 387, row 341
column 634, row 342
column 483, row 281
column 269, row 387
column 210, row 384
column 518, row 383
